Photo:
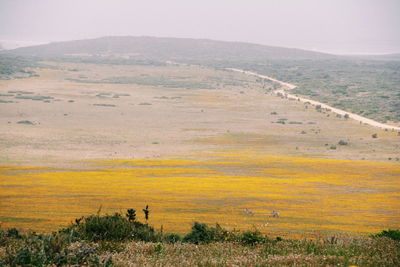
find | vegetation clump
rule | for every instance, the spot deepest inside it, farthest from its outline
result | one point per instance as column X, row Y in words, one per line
column 115, row 227
column 25, row 122
column 392, row 234
column 343, row 143
column 202, row 233
column 116, row 240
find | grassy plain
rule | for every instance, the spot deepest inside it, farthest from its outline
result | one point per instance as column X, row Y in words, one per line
column 202, row 148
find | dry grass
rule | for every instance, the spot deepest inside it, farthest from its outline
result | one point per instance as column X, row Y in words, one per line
column 71, row 128
column 359, row 252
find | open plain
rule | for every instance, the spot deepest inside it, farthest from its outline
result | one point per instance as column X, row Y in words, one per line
column 195, row 144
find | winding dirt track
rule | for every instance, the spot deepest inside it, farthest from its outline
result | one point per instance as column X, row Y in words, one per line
column 315, row 103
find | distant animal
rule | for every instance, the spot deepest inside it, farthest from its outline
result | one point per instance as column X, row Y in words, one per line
column 249, row 212
column 275, row 214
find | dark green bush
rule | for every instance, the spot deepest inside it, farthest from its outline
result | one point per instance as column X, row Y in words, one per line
column 220, row 234
column 110, row 227
column 172, row 238
column 13, row 233
column 392, row 234
column 252, row 237
column 144, row 232
column 343, row 143
column 131, row 215
column 200, row 234
column 97, row 228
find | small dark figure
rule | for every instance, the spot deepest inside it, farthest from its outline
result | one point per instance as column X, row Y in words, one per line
column 131, row 215
column 78, row 221
column 146, row 213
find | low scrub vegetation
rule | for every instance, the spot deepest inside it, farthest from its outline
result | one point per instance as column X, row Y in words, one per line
column 16, row 67
column 117, row 240
column 392, row 234
column 368, row 87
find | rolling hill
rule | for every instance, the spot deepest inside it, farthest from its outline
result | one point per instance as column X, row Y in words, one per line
column 365, row 85
column 155, row 48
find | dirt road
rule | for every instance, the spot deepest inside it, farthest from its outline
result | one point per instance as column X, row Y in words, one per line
column 316, row 103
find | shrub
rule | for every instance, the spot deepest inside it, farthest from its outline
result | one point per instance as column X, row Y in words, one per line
column 158, row 248
column 39, row 250
column 200, row 234
column 252, row 238
column 26, row 122
column 375, row 135
column 144, row 232
column 131, row 215
column 13, row 233
column 343, row 143
column 110, row 227
column 172, row 238
column 220, row 234
column 392, row 234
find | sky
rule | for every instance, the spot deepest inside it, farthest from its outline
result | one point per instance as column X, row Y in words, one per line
column 334, row 26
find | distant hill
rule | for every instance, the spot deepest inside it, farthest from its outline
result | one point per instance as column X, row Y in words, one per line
column 365, row 85
column 155, row 48
column 395, row 57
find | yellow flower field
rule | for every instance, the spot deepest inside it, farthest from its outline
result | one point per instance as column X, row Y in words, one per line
column 311, row 195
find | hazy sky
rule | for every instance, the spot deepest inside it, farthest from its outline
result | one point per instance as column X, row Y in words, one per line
column 337, row 26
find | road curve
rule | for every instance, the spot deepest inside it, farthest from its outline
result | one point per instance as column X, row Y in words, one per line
column 313, row 102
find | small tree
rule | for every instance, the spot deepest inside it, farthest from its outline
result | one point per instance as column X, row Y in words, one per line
column 131, row 215
column 146, row 213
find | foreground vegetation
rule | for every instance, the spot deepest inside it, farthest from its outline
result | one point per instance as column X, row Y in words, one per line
column 117, row 240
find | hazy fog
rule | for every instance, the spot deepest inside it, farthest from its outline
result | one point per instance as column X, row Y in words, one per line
column 336, row 26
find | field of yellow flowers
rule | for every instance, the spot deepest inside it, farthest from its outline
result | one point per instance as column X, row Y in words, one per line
column 238, row 190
